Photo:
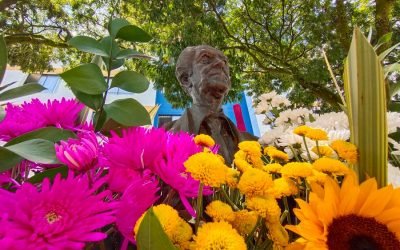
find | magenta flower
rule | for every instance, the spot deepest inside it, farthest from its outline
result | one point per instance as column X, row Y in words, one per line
column 137, row 198
column 64, row 215
column 79, row 154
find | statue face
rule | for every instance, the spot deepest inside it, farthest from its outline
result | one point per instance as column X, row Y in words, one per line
column 210, row 81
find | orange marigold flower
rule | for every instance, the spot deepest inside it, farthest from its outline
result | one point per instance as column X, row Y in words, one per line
column 204, row 140
column 345, row 150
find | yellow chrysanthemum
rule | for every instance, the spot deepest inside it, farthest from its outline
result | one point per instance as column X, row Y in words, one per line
column 329, row 165
column 317, row 177
column 204, row 140
column 323, row 151
column 177, row 230
column 251, row 152
column 255, row 182
column 345, row 150
column 250, row 146
column 278, row 155
column 301, row 130
column 345, row 217
column 244, row 221
column 207, row 168
column 220, row 211
column 273, row 168
column 297, row 169
column 232, row 177
column 278, row 234
column 240, row 154
column 218, row 236
column 316, row 134
column 283, row 187
column 269, row 148
column 266, row 207
column 242, row 165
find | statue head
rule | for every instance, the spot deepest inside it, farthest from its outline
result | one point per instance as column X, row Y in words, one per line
column 203, row 72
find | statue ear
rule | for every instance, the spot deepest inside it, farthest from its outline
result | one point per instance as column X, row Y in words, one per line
column 185, row 82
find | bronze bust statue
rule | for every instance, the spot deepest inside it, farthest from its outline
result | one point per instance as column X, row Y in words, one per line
column 203, row 72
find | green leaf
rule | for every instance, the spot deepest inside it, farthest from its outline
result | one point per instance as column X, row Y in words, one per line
column 49, row 173
column 133, row 33
column 128, row 112
column 394, row 89
column 3, row 57
column 87, row 44
column 98, row 60
column 26, row 89
column 384, row 39
column 36, row 150
column 52, row 134
column 394, row 67
column 8, row 159
column 130, row 53
column 130, row 81
column 387, row 52
column 106, row 44
column 117, row 63
column 86, row 78
column 369, row 34
column 366, row 108
column 151, row 236
column 115, row 25
column 99, row 120
column 92, row 101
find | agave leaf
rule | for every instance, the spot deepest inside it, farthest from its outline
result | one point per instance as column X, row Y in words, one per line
column 366, row 108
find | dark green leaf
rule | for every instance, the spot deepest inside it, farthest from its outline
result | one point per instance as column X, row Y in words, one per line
column 110, row 45
column 8, row 159
column 394, row 89
column 117, row 63
column 36, row 150
column 130, row 81
column 99, row 120
column 49, row 173
column 92, row 101
column 133, row 33
column 387, row 52
column 3, row 57
column 128, row 112
column 130, row 53
column 151, row 236
column 115, row 25
column 26, row 89
column 87, row 44
column 86, row 78
column 49, row 133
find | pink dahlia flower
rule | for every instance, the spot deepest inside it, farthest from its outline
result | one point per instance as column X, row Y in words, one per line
column 64, row 215
column 79, row 154
column 137, row 198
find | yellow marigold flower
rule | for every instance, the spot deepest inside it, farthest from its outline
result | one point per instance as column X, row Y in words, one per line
column 240, row 154
column 242, row 165
column 266, row 207
column 177, row 230
column 278, row 155
column 317, row 177
column 220, row 211
column 204, row 140
column 273, row 168
column 278, row 234
column 250, row 146
column 218, row 236
column 323, row 151
column 316, row 134
column 244, row 221
column 345, row 150
column 206, row 168
column 329, row 165
column 283, row 187
column 297, row 169
column 269, row 148
column 254, row 182
column 232, row 177
column 301, row 130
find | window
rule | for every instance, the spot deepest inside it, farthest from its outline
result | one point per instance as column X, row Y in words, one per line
column 118, row 91
column 50, row 82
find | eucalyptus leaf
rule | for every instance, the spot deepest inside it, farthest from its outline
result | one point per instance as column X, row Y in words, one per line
column 86, row 78
column 26, row 89
column 111, row 46
column 128, row 112
column 92, row 101
column 130, row 53
column 115, row 25
column 49, row 173
column 52, row 134
column 130, row 81
column 3, row 57
column 87, row 44
column 36, row 150
column 151, row 236
column 8, row 159
column 133, row 33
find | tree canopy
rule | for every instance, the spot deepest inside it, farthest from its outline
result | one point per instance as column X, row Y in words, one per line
column 271, row 45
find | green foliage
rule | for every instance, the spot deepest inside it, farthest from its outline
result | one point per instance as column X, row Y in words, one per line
column 127, row 112
column 49, row 173
column 151, row 236
column 130, row 81
column 48, row 133
column 3, row 57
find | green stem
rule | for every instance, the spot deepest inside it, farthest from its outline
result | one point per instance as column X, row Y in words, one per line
column 226, row 196
column 294, row 153
column 199, row 207
column 308, row 152
column 287, row 209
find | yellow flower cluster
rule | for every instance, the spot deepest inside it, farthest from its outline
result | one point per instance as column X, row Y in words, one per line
column 266, row 207
column 317, row 177
column 250, row 151
column 242, row 165
column 207, row 168
column 255, row 182
column 297, row 169
column 273, row 168
column 329, row 165
column 278, row 234
column 316, row 134
column 204, row 140
column 220, row 211
column 283, row 187
column 277, row 155
column 177, row 230
column 301, row 130
column 218, row 236
column 323, row 151
column 232, row 177
column 345, row 150
column 244, row 221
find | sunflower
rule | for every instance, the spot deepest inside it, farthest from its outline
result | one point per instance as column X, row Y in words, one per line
column 351, row 217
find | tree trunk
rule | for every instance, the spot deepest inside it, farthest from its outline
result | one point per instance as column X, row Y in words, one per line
column 383, row 13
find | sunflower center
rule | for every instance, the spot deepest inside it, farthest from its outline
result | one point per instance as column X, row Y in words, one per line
column 52, row 217
column 353, row 232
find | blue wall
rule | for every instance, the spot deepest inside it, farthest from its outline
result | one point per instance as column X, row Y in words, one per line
column 245, row 104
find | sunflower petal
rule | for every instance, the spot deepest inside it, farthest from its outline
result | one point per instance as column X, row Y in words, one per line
column 376, row 202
